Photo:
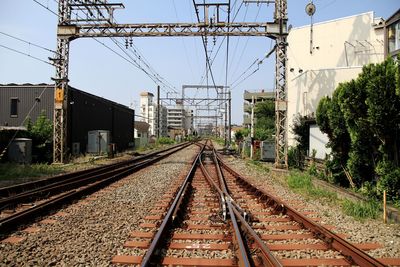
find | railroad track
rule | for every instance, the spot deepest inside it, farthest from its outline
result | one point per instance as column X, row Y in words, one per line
column 23, row 203
column 215, row 217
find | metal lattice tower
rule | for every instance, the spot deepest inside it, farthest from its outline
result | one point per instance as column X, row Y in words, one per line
column 97, row 21
column 281, row 145
column 61, row 62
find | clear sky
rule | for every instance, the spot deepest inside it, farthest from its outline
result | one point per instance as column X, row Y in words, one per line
column 179, row 60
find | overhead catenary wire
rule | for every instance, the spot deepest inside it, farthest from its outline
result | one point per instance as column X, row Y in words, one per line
column 151, row 73
column 204, row 45
column 221, row 43
column 26, row 54
column 245, row 46
column 28, row 42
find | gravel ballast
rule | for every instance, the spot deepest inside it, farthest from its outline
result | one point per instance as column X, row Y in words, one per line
column 91, row 231
column 368, row 231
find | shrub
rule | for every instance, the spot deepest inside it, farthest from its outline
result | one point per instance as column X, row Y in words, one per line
column 295, row 158
column 389, row 179
column 165, row 141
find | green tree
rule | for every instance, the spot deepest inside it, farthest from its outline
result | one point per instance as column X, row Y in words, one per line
column 265, row 120
column 41, row 133
column 362, row 121
column 384, row 107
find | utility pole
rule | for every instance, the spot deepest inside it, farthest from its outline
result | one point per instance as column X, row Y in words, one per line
column 225, row 125
column 230, row 117
column 158, row 112
column 252, row 128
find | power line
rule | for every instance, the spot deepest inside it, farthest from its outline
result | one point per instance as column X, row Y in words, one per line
column 25, row 54
column 204, row 45
column 27, row 42
column 45, row 7
column 151, row 73
column 245, row 46
column 223, row 39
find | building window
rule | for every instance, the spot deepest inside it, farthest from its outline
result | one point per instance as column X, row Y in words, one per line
column 394, row 37
column 14, row 107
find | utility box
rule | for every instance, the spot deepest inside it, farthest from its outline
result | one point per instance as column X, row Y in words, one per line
column 98, row 141
column 268, row 150
column 20, row 151
column 76, row 148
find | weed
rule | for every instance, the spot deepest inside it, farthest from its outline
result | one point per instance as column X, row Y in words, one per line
column 361, row 210
column 257, row 165
column 302, row 183
column 9, row 171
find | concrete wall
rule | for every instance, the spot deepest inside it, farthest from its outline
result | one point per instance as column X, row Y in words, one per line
column 318, row 141
column 340, row 48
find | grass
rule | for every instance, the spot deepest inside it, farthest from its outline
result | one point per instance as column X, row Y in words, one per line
column 360, row 210
column 9, row 171
column 302, row 183
column 257, row 165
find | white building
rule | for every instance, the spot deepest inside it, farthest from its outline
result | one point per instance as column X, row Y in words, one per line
column 340, row 49
column 148, row 113
column 180, row 118
column 141, row 134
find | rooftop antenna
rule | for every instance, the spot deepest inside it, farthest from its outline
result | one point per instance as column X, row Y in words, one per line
column 310, row 10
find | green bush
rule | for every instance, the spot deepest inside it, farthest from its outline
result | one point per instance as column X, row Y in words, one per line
column 295, row 158
column 41, row 133
column 165, row 141
column 389, row 179
column 312, row 170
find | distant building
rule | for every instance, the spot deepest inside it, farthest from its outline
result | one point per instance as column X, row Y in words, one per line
column 180, row 118
column 148, row 113
column 392, row 35
column 85, row 113
column 341, row 47
column 259, row 96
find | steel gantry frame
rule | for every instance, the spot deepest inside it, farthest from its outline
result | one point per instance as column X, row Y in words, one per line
column 94, row 23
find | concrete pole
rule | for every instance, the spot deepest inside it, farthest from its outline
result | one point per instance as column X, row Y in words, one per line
column 252, row 127
column 230, row 118
column 158, row 112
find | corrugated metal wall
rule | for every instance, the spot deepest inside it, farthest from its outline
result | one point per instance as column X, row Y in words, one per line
column 31, row 101
column 86, row 112
column 90, row 112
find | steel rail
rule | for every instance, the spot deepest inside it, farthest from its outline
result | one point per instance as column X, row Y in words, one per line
column 244, row 260
column 169, row 217
column 353, row 254
column 243, row 257
column 19, row 188
column 14, row 221
column 267, row 257
column 72, row 182
column 221, row 196
column 242, row 248
column 246, row 214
